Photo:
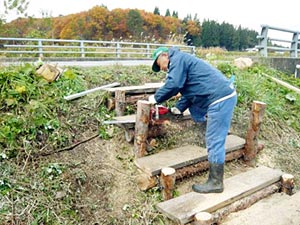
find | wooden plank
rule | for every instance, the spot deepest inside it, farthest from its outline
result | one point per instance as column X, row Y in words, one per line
column 147, row 88
column 132, row 118
column 183, row 208
column 182, row 156
column 122, row 120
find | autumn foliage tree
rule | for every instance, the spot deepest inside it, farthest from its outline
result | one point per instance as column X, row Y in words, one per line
column 132, row 25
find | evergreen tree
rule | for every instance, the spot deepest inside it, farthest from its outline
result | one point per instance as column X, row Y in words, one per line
column 243, row 38
column 156, row 11
column 168, row 13
column 210, row 34
column 175, row 14
column 135, row 22
column 227, row 32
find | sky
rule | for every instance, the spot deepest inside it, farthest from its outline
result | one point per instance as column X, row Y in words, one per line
column 249, row 14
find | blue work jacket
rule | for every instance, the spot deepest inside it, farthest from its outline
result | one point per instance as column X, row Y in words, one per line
column 199, row 83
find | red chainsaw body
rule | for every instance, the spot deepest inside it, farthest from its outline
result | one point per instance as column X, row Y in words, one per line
column 163, row 113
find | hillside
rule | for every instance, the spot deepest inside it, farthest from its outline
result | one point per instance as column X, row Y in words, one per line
column 61, row 165
column 132, row 25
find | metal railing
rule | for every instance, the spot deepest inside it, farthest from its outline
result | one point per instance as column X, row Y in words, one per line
column 266, row 43
column 34, row 47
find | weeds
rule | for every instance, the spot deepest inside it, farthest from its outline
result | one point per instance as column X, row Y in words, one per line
column 81, row 186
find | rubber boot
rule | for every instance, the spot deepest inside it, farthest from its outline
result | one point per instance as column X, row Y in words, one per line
column 214, row 184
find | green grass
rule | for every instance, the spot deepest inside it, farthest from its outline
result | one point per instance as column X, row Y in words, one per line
column 35, row 119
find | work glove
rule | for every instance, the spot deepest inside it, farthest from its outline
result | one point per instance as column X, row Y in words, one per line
column 175, row 111
column 151, row 99
column 175, row 114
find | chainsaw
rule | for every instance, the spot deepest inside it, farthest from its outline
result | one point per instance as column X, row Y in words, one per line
column 160, row 114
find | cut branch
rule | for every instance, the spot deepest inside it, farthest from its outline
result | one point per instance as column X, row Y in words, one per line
column 69, row 147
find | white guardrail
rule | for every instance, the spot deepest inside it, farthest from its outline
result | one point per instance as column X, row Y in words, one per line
column 266, row 43
column 34, row 47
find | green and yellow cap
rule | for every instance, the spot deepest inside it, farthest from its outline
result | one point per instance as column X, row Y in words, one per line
column 155, row 55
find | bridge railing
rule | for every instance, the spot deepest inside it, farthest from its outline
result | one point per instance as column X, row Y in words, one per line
column 266, row 43
column 33, row 47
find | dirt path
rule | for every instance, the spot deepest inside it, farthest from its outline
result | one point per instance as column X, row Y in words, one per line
column 278, row 209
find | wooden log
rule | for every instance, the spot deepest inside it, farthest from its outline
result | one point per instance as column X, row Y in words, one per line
column 129, row 100
column 110, row 104
column 204, row 165
column 129, row 135
column 146, row 181
column 167, row 181
column 244, row 203
column 251, row 146
column 120, row 102
column 183, row 208
column 203, row 218
column 132, row 99
column 141, row 128
column 287, row 183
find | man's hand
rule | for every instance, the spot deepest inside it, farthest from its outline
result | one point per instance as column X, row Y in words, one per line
column 151, row 99
column 175, row 111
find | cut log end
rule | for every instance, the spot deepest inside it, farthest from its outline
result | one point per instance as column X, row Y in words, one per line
column 287, row 181
column 203, row 218
column 259, row 103
column 168, row 171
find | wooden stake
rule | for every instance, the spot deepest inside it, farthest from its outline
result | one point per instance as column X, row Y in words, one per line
column 203, row 218
column 167, row 181
column 120, row 102
column 141, row 128
column 287, row 181
column 251, row 146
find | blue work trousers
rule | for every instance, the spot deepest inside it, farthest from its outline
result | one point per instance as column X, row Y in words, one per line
column 219, row 117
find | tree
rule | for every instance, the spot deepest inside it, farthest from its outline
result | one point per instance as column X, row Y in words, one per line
column 18, row 6
column 210, row 34
column 193, row 30
column 156, row 11
column 168, row 12
column 135, row 22
column 227, row 33
column 175, row 14
column 116, row 24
